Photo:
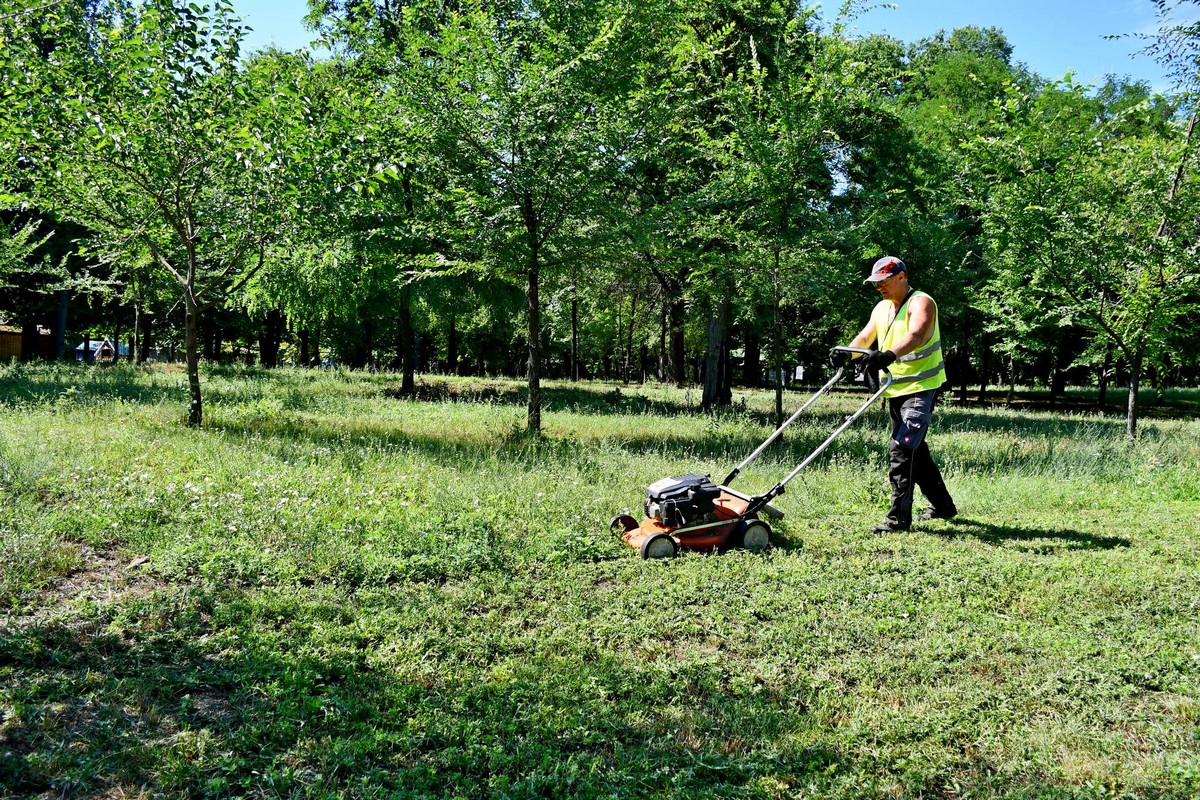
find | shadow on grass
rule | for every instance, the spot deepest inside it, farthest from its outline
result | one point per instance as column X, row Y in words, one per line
column 1002, row 420
column 348, row 441
column 235, row 694
column 141, row 705
column 1047, row 541
column 38, row 382
column 80, row 382
column 234, row 407
column 618, row 399
column 1177, row 404
column 581, row 399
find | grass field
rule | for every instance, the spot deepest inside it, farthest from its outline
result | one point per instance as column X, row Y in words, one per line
column 333, row 591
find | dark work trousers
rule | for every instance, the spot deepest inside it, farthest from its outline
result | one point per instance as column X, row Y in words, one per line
column 911, row 464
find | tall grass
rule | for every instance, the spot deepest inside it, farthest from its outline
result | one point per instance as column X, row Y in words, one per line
column 353, row 594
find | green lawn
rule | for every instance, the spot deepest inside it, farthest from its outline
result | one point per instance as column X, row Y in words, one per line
column 333, row 591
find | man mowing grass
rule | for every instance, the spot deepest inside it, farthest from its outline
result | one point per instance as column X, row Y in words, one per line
column 903, row 335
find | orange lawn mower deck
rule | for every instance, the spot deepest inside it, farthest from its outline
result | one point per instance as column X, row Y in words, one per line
column 726, row 526
column 693, row 513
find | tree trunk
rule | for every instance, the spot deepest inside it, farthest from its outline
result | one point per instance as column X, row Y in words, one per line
column 964, row 363
column 676, row 360
column 423, row 352
column 1135, row 371
column 1058, row 377
column 60, row 327
column 1105, row 368
column 629, row 338
column 713, row 366
column 304, row 358
column 136, row 342
column 725, row 389
column 145, row 340
column 362, row 350
column 575, row 332
column 534, row 410
column 407, row 343
column 618, row 342
column 777, row 347
column 192, row 345
column 674, row 311
column 985, row 369
column 752, row 362
column 1158, row 380
column 270, row 338
column 29, row 337
column 452, row 346
column 368, row 344
column 1012, row 379
column 661, row 373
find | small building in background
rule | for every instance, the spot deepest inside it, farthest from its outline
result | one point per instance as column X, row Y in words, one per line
column 101, row 351
column 10, row 342
column 16, row 342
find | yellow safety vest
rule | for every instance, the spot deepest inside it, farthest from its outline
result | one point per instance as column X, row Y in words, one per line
column 920, row 370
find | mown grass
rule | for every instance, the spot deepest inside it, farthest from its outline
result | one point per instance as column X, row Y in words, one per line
column 350, row 594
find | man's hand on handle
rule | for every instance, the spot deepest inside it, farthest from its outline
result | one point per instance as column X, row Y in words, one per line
column 879, row 359
column 838, row 358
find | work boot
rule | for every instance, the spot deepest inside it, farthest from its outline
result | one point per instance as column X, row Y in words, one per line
column 936, row 513
column 890, row 525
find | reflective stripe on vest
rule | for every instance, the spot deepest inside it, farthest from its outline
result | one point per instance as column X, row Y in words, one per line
column 920, row 370
column 920, row 376
column 923, row 353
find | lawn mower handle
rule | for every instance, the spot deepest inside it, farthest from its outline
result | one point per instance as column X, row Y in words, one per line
column 837, row 376
column 761, row 500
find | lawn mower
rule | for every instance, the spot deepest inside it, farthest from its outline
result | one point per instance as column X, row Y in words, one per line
column 691, row 512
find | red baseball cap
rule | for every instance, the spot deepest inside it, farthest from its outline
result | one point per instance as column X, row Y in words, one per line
column 885, row 268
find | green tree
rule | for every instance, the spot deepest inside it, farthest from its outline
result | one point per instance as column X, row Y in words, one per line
column 1090, row 224
column 19, row 244
column 527, row 107
column 927, row 196
column 794, row 114
column 153, row 136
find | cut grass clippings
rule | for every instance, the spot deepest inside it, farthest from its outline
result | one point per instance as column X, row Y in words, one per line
column 333, row 590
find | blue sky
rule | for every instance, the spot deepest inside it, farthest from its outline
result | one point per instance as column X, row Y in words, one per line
column 1051, row 36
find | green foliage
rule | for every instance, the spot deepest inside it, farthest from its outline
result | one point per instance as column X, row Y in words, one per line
column 152, row 134
column 350, row 595
column 1089, row 224
column 18, row 248
column 658, row 180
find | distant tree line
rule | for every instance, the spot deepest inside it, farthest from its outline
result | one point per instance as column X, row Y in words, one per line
column 653, row 190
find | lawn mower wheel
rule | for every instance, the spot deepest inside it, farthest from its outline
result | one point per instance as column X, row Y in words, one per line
column 660, row 545
column 756, row 535
column 622, row 523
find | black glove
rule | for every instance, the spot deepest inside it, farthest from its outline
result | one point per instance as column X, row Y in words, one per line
column 877, row 359
column 838, row 358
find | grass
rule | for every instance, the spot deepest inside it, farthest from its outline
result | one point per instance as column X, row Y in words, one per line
column 334, row 591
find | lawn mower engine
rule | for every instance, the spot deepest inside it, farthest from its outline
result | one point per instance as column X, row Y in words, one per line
column 681, row 500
